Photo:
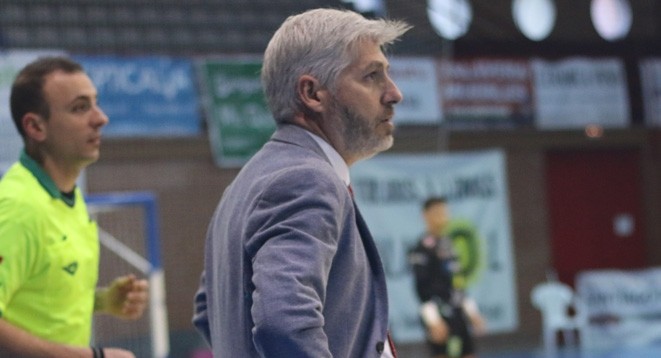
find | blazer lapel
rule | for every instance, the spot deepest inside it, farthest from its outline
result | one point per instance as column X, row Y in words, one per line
column 368, row 242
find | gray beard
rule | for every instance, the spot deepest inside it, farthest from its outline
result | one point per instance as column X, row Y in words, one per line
column 360, row 139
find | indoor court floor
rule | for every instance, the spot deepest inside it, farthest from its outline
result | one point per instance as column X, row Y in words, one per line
column 624, row 352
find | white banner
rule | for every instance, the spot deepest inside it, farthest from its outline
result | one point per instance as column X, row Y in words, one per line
column 622, row 308
column 484, row 93
column 390, row 190
column 577, row 92
column 650, row 79
column 10, row 63
column 416, row 79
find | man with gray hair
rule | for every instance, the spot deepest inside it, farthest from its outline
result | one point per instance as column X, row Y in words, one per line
column 291, row 269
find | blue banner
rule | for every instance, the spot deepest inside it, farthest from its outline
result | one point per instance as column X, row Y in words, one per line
column 145, row 96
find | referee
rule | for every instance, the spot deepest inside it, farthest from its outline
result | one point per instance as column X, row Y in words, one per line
column 49, row 248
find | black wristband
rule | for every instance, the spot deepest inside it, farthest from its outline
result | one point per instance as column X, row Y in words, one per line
column 98, row 352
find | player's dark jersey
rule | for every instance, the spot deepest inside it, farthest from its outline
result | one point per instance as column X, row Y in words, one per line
column 436, row 265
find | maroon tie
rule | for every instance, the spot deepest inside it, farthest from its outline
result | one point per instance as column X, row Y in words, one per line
column 392, row 345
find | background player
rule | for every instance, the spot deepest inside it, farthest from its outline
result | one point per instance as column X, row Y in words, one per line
column 445, row 307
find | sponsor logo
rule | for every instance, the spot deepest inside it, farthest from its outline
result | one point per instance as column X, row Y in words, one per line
column 71, row 268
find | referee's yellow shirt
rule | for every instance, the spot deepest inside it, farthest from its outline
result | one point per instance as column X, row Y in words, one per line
column 49, row 256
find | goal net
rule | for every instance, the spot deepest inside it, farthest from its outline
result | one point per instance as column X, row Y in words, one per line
column 130, row 243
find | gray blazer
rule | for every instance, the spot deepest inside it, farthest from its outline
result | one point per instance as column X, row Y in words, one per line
column 291, row 269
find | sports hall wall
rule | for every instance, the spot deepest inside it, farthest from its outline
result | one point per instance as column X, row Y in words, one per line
column 188, row 185
column 188, row 175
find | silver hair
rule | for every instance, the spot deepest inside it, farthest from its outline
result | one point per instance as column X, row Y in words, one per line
column 318, row 43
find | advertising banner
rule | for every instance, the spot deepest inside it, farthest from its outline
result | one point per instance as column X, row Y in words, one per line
column 621, row 308
column 238, row 119
column 576, row 92
column 650, row 78
column 145, row 96
column 416, row 79
column 390, row 190
column 486, row 93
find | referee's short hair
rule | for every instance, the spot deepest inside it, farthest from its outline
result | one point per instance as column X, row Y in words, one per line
column 27, row 91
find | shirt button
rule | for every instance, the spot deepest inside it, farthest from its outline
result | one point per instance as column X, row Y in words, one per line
column 379, row 347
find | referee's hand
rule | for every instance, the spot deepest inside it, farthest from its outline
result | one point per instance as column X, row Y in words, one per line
column 126, row 297
column 117, row 353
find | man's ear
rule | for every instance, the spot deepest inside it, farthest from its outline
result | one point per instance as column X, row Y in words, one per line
column 34, row 126
column 311, row 93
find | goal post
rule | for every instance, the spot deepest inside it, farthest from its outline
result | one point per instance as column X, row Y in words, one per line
column 129, row 238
